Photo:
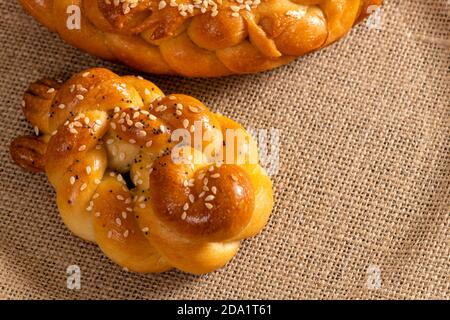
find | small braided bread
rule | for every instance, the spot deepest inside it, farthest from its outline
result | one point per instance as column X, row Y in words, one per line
column 106, row 144
column 201, row 38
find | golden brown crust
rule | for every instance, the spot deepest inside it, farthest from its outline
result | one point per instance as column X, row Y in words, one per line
column 229, row 193
column 28, row 152
column 186, row 210
column 203, row 38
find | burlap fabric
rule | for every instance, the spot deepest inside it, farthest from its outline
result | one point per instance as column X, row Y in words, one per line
column 362, row 189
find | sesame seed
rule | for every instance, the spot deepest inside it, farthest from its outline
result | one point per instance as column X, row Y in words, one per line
column 208, row 205
column 145, row 229
column 139, row 125
column 183, row 216
column 118, row 222
column 215, row 176
column 214, row 190
column 83, row 187
column 97, row 214
column 161, row 108
column 79, row 97
column 82, row 148
column 109, row 234
column 124, row 215
column 61, row 106
column 193, row 109
column 72, row 180
column 97, row 181
column 36, row 130
column 162, row 4
column 51, row 90
column 88, row 169
column 210, row 198
column 126, row 233
column 82, row 89
column 186, row 206
column 86, row 74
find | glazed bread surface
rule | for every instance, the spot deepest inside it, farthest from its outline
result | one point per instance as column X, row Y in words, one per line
column 107, row 146
column 200, row 38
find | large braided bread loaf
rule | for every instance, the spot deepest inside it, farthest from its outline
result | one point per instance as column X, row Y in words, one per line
column 204, row 38
column 107, row 146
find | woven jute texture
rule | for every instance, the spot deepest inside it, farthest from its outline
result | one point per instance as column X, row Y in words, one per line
column 362, row 188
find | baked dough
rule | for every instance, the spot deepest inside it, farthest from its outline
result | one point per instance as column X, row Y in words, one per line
column 200, row 38
column 107, row 146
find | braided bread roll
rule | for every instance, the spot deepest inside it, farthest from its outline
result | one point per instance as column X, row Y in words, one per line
column 200, row 38
column 107, row 146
